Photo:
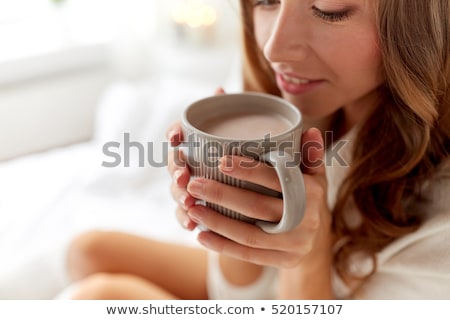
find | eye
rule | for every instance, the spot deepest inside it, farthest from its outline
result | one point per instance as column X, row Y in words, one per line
column 331, row 16
column 266, row 3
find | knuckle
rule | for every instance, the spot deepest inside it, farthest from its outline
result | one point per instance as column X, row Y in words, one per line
column 315, row 192
column 214, row 192
column 261, row 210
column 264, row 208
column 308, row 247
column 314, row 222
column 257, row 207
column 302, row 248
column 290, row 261
column 245, row 165
column 318, row 192
column 251, row 240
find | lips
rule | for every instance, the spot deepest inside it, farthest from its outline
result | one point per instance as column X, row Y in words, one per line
column 296, row 85
column 294, row 80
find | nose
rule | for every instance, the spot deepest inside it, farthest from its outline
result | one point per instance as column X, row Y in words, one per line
column 287, row 40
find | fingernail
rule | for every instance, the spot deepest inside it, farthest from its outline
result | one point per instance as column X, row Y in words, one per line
column 204, row 239
column 176, row 176
column 186, row 201
column 186, row 223
column 226, row 164
column 194, row 216
column 195, row 188
column 182, row 201
column 173, row 136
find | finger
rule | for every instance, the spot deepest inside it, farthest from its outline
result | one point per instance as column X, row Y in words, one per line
column 175, row 160
column 178, row 169
column 230, row 248
column 249, row 235
column 184, row 219
column 175, row 134
column 250, row 170
column 313, row 152
column 182, row 197
column 249, row 203
column 219, row 90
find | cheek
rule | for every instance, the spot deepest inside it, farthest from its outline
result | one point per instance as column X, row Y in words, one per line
column 357, row 58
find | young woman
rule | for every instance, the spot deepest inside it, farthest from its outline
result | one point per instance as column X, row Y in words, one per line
column 373, row 73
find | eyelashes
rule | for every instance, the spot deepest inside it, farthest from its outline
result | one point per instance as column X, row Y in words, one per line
column 331, row 16
column 265, row 3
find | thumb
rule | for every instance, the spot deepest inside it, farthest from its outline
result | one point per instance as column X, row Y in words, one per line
column 313, row 152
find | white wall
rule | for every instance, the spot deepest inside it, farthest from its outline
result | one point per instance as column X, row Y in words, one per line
column 49, row 111
column 49, row 100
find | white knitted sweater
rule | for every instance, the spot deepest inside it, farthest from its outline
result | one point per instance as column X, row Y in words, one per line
column 416, row 266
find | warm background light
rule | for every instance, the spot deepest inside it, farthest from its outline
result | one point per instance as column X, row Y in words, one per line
column 194, row 14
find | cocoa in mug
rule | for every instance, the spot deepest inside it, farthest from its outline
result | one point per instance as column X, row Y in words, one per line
column 245, row 125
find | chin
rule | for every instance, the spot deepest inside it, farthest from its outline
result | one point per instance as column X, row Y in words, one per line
column 312, row 110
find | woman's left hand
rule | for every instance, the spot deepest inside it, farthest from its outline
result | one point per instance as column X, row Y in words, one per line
column 308, row 244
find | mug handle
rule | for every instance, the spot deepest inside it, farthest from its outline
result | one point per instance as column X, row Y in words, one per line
column 293, row 190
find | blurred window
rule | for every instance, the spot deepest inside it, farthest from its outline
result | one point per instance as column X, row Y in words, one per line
column 33, row 27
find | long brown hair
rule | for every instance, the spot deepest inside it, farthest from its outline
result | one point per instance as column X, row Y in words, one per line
column 412, row 123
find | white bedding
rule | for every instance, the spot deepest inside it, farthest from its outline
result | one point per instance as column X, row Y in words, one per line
column 47, row 198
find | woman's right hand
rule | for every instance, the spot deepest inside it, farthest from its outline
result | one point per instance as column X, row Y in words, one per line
column 179, row 171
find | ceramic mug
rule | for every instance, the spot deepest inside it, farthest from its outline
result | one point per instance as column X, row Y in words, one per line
column 256, row 125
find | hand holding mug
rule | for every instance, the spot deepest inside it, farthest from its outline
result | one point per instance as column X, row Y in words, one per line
column 259, row 127
column 242, row 240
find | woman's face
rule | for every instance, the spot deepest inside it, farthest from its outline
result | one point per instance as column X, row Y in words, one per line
column 324, row 52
